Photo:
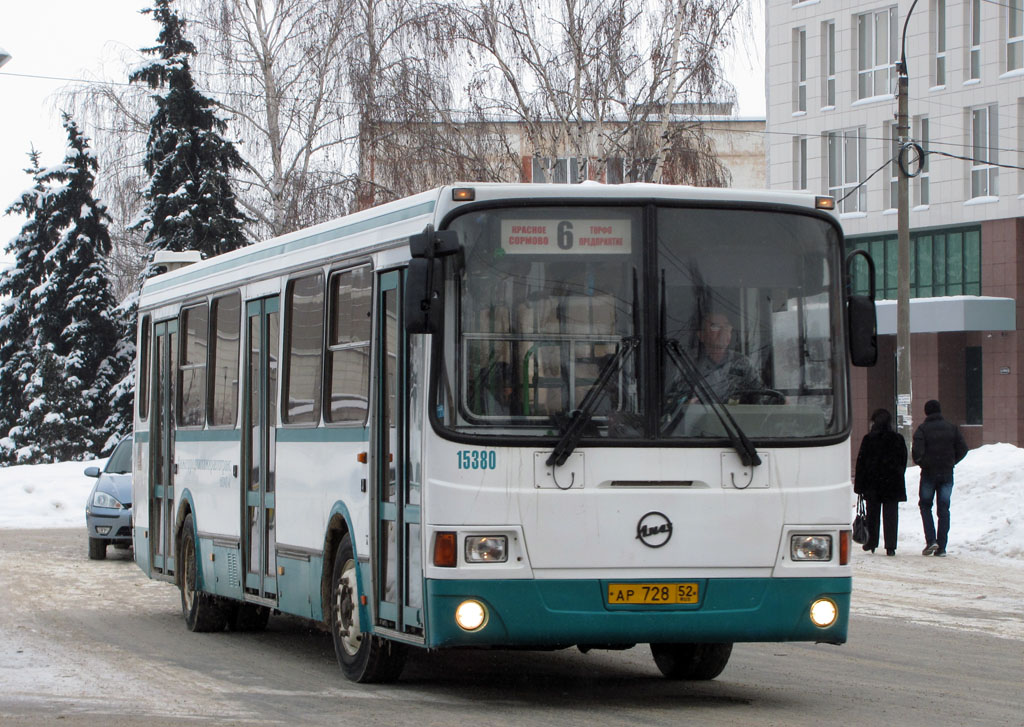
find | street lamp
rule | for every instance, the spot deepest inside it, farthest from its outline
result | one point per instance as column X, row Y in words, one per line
column 904, row 396
column 4, row 57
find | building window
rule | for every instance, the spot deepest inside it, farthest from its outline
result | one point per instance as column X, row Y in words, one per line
column 618, row 170
column 974, row 46
column 973, row 385
column 799, row 162
column 939, row 42
column 892, row 190
column 942, row 262
column 304, row 342
column 922, row 193
column 877, row 41
column 1014, row 35
column 984, row 152
column 561, row 170
column 846, row 162
column 799, row 69
column 828, row 62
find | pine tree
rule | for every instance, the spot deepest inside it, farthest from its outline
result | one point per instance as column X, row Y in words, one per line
column 122, row 394
column 189, row 202
column 75, row 339
column 28, row 248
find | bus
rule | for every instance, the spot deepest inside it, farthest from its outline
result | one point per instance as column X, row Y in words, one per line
column 495, row 416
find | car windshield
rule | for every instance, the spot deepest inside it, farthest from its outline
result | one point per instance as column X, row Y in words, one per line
column 660, row 323
column 120, row 462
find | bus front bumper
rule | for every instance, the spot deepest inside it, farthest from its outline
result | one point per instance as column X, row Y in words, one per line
column 561, row 613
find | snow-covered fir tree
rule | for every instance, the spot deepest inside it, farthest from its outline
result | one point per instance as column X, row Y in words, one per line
column 189, row 202
column 75, row 338
column 28, row 249
column 122, row 394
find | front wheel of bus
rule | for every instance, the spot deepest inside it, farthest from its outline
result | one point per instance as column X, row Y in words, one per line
column 201, row 610
column 691, row 661
column 363, row 657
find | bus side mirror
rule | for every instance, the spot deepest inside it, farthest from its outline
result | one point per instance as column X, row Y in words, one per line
column 863, row 327
column 861, row 319
column 423, row 300
column 424, row 279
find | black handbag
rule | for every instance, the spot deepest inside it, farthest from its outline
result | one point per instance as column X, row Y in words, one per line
column 860, row 522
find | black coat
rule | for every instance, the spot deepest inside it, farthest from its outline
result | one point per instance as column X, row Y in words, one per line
column 938, row 445
column 881, row 465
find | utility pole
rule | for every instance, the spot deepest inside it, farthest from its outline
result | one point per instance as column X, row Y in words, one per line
column 904, row 418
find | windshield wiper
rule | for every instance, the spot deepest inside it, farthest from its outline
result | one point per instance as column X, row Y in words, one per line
column 740, row 442
column 579, row 418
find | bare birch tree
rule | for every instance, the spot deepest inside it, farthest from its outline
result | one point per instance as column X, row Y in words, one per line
column 606, row 79
column 275, row 66
column 405, row 71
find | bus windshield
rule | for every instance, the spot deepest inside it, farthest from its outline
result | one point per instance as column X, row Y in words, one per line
column 657, row 323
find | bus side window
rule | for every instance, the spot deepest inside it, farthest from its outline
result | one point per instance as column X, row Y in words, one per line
column 348, row 343
column 143, row 374
column 192, row 369
column 226, row 315
column 304, row 331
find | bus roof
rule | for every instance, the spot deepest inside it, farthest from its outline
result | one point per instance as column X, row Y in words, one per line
column 378, row 228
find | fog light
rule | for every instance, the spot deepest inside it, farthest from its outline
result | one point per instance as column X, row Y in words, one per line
column 810, row 547
column 471, row 615
column 102, row 529
column 486, row 549
column 824, row 612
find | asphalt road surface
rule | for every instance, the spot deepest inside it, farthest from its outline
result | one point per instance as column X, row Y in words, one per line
column 95, row 642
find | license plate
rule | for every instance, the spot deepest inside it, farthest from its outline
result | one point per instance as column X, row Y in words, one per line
column 652, row 594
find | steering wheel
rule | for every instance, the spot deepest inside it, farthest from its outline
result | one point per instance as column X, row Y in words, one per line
column 760, row 396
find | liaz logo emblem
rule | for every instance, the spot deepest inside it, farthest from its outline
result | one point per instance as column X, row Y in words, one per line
column 654, row 529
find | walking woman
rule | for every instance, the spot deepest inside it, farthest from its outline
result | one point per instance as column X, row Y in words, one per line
column 879, row 477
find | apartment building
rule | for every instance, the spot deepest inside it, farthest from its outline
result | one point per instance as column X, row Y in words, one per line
column 831, row 121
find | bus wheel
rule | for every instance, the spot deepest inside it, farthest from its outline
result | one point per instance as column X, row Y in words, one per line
column 363, row 657
column 691, row 661
column 248, row 617
column 201, row 610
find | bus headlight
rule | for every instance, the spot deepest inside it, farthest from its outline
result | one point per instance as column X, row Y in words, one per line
column 471, row 615
column 486, row 549
column 824, row 612
column 810, row 547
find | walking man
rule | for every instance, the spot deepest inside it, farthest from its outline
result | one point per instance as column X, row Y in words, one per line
column 938, row 446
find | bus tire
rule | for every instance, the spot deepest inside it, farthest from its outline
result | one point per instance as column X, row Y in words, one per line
column 97, row 549
column 697, row 662
column 202, row 612
column 247, row 617
column 363, row 657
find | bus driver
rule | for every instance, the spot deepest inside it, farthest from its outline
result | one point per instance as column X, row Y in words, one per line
column 729, row 374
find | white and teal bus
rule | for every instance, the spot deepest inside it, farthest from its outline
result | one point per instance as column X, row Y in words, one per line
column 483, row 416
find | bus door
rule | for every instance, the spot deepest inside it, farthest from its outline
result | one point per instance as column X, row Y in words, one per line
column 258, row 447
column 397, row 561
column 161, row 448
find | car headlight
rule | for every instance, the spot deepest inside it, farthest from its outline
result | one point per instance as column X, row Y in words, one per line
column 810, row 547
column 102, row 499
column 486, row 549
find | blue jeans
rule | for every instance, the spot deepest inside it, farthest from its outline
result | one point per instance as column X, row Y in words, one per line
column 932, row 486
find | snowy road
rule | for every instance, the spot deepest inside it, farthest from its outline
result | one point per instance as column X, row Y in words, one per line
column 88, row 642
column 969, row 593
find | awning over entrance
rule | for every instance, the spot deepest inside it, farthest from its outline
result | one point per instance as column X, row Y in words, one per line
column 952, row 313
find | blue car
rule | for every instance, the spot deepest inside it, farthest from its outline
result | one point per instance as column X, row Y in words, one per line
column 108, row 511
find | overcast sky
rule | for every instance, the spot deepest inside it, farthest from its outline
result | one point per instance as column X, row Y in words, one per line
column 51, row 41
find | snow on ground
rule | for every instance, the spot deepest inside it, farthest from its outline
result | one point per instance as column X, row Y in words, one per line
column 978, row 587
